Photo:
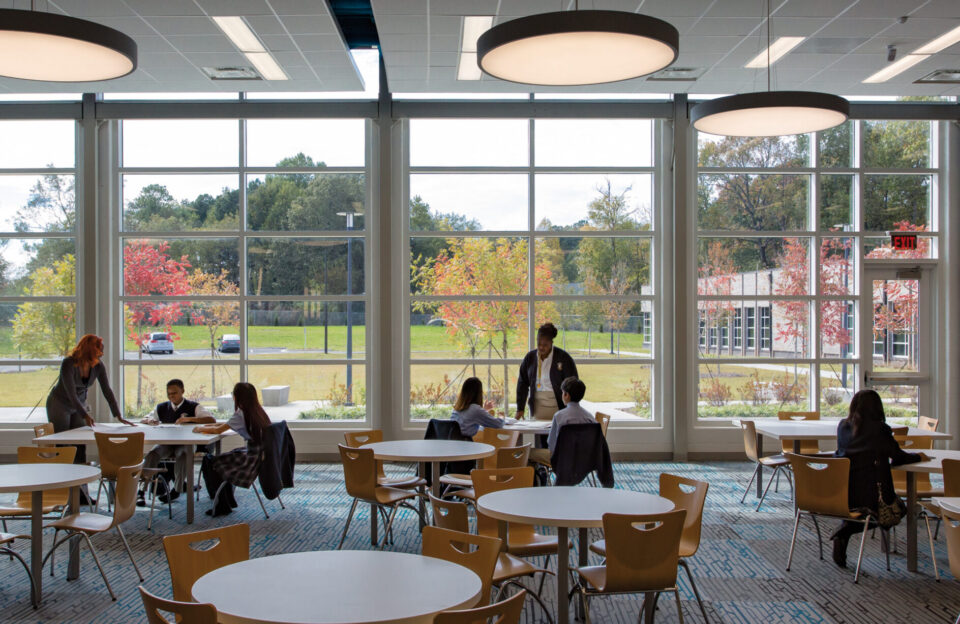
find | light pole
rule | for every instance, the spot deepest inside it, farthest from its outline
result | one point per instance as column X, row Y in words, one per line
column 350, row 215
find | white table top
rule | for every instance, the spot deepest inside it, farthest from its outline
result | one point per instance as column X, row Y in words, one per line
column 337, row 587
column 933, row 465
column 572, row 507
column 538, row 427
column 167, row 434
column 821, row 430
column 950, row 502
column 429, row 450
column 38, row 477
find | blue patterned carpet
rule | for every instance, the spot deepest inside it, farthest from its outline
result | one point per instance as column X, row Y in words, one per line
column 739, row 568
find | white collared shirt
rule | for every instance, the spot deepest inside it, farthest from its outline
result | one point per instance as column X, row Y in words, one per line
column 543, row 373
column 201, row 411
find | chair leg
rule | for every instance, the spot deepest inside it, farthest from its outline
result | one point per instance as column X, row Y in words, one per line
column 34, row 595
column 260, row 500
column 863, row 541
column 53, row 548
column 281, row 502
column 530, row 594
column 776, row 486
column 933, row 554
column 153, row 503
column 693, row 585
column 386, row 531
column 97, row 561
column 767, row 489
column 543, row 575
column 752, row 477
column 126, row 547
column 819, row 538
column 346, row 526
column 793, row 540
column 885, row 544
column 676, row 595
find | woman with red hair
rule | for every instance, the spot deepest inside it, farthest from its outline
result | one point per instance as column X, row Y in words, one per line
column 67, row 402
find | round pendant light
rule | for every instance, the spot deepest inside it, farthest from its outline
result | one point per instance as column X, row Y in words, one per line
column 58, row 48
column 577, row 48
column 770, row 113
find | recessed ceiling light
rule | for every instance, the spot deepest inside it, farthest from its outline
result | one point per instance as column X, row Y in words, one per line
column 949, row 76
column 266, row 65
column 896, row 68
column 239, row 33
column 473, row 27
column 231, row 73
column 774, row 52
column 467, row 68
column 942, row 42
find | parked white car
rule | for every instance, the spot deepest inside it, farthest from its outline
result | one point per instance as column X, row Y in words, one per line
column 159, row 342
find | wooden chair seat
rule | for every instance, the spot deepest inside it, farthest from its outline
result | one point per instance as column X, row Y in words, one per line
column 390, row 496
column 403, row 483
column 510, row 566
column 85, row 522
column 923, row 492
column 9, row 537
column 468, row 493
column 457, row 480
column 16, row 509
column 774, row 460
column 595, row 575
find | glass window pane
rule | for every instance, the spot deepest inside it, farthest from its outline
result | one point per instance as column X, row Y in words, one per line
column 305, row 266
column 316, row 393
column 174, row 203
column 836, row 203
column 625, row 391
column 468, row 202
column 144, row 386
column 896, row 144
column 899, row 404
column 181, row 143
column 775, row 329
column 35, row 330
column 155, row 330
column 434, row 387
column 25, row 385
column 881, row 248
column 473, row 266
column 733, row 390
column 752, row 202
column 468, row 329
column 305, row 142
column 753, row 266
column 753, row 152
column 896, row 202
column 838, row 329
column 594, row 201
column 37, row 267
column 837, row 385
column 835, row 146
column 618, row 265
column 181, row 266
column 306, row 201
column 594, row 142
column 604, row 329
column 837, row 274
column 306, row 330
column 37, row 203
column 469, row 142
column 40, row 143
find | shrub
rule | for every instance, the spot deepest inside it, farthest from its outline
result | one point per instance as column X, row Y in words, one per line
column 715, row 392
column 433, row 393
column 752, row 390
column 641, row 394
column 351, row 412
column 788, row 390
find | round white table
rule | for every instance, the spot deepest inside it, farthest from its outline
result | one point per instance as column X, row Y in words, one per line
column 567, row 508
column 432, row 451
column 337, row 587
column 35, row 478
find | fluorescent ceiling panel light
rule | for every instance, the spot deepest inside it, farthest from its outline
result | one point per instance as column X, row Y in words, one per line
column 467, row 68
column 896, row 68
column 266, row 65
column 777, row 50
column 473, row 27
column 941, row 43
column 239, row 33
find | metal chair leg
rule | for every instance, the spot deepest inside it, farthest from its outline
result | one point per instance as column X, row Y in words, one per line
column 885, row 544
column 97, row 561
column 752, row 477
column 863, row 541
column 281, row 502
column 346, row 526
column 34, row 594
column 767, row 489
column 693, row 585
column 676, row 595
column 933, row 554
column 793, row 540
column 386, row 531
column 819, row 538
column 153, row 503
column 53, row 548
column 126, row 546
column 260, row 500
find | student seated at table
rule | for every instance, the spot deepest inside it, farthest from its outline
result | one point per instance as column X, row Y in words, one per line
column 867, row 441
column 239, row 466
column 181, row 411
column 573, row 390
column 467, row 411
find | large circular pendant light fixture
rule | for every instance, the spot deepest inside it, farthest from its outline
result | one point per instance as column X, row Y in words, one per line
column 58, row 48
column 770, row 113
column 568, row 48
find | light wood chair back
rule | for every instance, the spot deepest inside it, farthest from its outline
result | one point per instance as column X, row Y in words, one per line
column 604, row 420
column 486, row 481
column 497, row 438
column 749, row 431
column 355, row 439
column 912, row 444
column 642, row 550
column 503, row 612
column 807, row 447
column 359, row 472
column 188, row 563
column 927, row 424
column 43, row 430
column 821, row 484
column 478, row 553
column 448, row 514
column 512, row 456
column 688, row 494
column 45, row 455
column 117, row 450
column 184, row 612
column 125, row 496
column 951, row 528
column 899, row 430
column 951, row 477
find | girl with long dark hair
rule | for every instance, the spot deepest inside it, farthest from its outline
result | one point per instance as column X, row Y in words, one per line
column 470, row 411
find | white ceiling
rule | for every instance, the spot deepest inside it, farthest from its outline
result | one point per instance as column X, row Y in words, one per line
column 420, row 40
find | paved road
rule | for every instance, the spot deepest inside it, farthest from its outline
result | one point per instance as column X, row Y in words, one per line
column 192, row 354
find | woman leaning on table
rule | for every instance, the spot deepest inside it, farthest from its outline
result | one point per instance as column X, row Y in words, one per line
column 541, row 372
column 67, row 402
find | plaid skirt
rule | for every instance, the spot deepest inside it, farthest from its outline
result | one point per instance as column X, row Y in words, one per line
column 239, row 467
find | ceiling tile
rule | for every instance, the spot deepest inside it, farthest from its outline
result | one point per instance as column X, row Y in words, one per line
column 201, row 43
column 199, row 25
column 165, row 7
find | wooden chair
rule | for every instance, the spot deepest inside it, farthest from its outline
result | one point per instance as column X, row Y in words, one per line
column 522, row 539
column 505, row 612
column 360, row 479
column 184, row 612
column 823, row 491
column 53, row 500
column 925, row 489
column 87, row 524
column 927, row 424
column 188, row 563
column 688, row 494
column 452, row 515
column 929, row 509
column 807, row 447
column 496, row 438
column 643, row 557
column 899, row 430
column 126, row 449
column 455, row 547
column 774, row 462
column 604, row 420
column 7, row 538
column 356, row 439
column 951, row 528
column 505, row 457
column 43, row 430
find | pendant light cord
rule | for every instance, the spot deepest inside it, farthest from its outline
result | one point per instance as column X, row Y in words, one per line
column 769, row 69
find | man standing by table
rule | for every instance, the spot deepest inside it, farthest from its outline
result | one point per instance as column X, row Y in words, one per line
column 180, row 411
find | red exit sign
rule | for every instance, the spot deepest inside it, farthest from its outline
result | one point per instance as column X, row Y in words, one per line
column 903, row 242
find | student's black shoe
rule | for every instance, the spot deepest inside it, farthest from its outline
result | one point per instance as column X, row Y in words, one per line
column 840, row 551
column 218, row 512
column 173, row 495
column 141, row 501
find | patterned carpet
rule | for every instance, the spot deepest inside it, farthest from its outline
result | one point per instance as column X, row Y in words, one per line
column 739, row 568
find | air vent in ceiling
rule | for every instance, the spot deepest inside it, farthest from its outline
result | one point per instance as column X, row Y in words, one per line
column 677, row 74
column 941, row 76
column 231, row 73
